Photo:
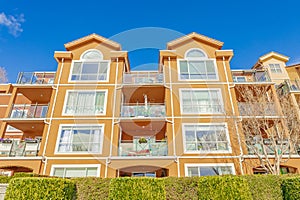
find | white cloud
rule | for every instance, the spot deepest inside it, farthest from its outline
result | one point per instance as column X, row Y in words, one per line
column 13, row 23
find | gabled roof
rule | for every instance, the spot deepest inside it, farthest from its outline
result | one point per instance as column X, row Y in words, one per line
column 195, row 36
column 275, row 55
column 93, row 37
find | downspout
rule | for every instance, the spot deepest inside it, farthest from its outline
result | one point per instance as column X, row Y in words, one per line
column 172, row 121
column 45, row 159
column 113, row 119
column 233, row 112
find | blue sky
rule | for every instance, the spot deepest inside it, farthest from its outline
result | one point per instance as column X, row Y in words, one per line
column 31, row 30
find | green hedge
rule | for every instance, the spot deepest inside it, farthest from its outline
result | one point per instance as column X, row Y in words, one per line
column 291, row 188
column 265, row 187
column 137, row 189
column 181, row 188
column 92, row 188
column 223, row 187
column 5, row 179
column 40, row 188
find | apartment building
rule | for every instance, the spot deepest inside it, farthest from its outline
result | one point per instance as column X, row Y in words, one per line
column 95, row 116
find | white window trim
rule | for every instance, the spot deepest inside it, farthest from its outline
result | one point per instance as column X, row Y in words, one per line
column 67, row 96
column 201, row 89
column 229, row 151
column 98, row 166
column 198, row 59
column 92, row 59
column 191, row 49
column 235, row 78
column 207, row 165
column 79, row 153
column 86, row 81
column 276, row 70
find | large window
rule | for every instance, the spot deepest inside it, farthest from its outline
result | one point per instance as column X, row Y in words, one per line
column 275, row 68
column 209, row 169
column 75, row 170
column 201, row 101
column 206, row 138
column 80, row 139
column 90, row 67
column 85, row 103
column 196, row 66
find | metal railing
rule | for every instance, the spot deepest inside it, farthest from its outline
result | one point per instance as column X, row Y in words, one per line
column 143, row 78
column 254, row 149
column 143, row 110
column 36, row 78
column 251, row 76
column 257, row 109
column 151, row 148
column 29, row 111
column 16, row 148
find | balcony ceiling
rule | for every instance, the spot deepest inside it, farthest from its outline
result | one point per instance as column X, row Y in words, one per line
column 28, row 126
column 155, row 94
column 37, row 95
column 143, row 127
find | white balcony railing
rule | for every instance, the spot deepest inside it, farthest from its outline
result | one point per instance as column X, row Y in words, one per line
column 143, row 78
column 142, row 110
column 150, row 148
column 16, row 148
column 29, row 111
column 36, row 78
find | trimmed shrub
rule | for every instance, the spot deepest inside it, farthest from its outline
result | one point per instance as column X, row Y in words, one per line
column 137, row 189
column 265, row 187
column 24, row 174
column 92, row 188
column 40, row 188
column 181, row 188
column 223, row 187
column 5, row 179
column 291, row 188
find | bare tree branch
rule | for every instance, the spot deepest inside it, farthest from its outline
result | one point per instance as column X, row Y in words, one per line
column 3, row 75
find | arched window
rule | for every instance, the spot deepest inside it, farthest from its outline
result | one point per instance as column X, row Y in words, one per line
column 90, row 67
column 92, row 54
column 195, row 54
column 197, row 66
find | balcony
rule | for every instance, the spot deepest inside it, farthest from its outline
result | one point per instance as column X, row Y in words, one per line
column 36, row 78
column 29, row 111
column 143, row 78
column 143, row 110
column 149, row 148
column 246, row 76
column 16, row 148
column 255, row 148
column 257, row 109
column 289, row 86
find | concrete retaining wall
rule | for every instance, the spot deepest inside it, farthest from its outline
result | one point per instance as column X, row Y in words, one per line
column 2, row 190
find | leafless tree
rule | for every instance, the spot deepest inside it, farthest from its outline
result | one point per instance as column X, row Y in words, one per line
column 270, row 125
column 3, row 75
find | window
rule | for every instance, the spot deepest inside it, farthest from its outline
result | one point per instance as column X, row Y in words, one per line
column 91, row 67
column 85, row 103
column 201, row 101
column 197, row 66
column 80, row 139
column 90, row 71
column 206, row 138
column 209, row 169
column 239, row 79
column 75, row 170
column 275, row 68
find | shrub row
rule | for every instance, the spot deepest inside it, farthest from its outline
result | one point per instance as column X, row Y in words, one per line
column 256, row 187
column 40, row 188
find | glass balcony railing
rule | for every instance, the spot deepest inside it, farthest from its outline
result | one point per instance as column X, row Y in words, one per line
column 150, row 148
column 257, row 109
column 29, row 111
column 289, row 85
column 15, row 148
column 36, row 78
column 250, row 76
column 142, row 110
column 267, row 148
column 143, row 78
